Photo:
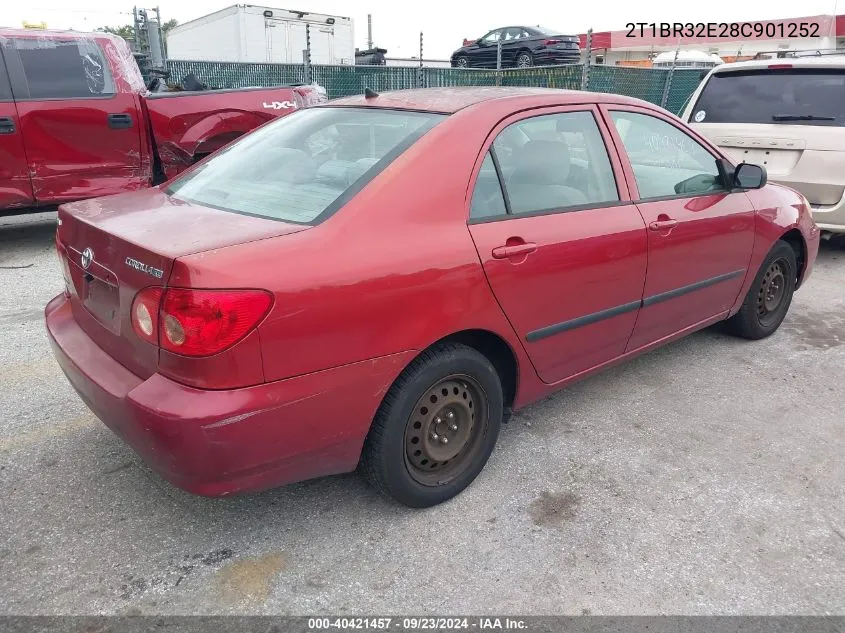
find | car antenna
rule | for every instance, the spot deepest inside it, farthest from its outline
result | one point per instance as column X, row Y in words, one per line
column 369, row 93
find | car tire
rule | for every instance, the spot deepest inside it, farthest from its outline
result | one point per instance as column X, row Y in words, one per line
column 436, row 427
column 462, row 62
column 524, row 60
column 769, row 297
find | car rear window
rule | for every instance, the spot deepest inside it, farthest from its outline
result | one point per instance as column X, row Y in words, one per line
column 303, row 167
column 795, row 96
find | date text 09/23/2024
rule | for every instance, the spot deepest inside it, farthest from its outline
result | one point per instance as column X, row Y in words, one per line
column 416, row 624
column 745, row 30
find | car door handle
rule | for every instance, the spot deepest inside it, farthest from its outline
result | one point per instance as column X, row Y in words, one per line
column 663, row 225
column 503, row 252
column 7, row 125
column 120, row 121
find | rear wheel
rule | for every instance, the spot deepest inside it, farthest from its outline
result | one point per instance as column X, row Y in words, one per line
column 769, row 297
column 436, row 428
column 524, row 60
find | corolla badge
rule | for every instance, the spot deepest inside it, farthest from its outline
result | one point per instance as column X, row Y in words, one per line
column 144, row 268
column 87, row 258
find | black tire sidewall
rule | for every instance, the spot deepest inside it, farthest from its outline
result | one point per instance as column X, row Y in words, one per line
column 525, row 54
column 391, row 458
column 781, row 250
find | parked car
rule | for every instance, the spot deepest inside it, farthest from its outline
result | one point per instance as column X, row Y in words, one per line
column 76, row 120
column 785, row 114
column 522, row 47
column 351, row 285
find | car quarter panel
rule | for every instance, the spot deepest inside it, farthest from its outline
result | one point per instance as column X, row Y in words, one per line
column 394, row 270
column 213, row 451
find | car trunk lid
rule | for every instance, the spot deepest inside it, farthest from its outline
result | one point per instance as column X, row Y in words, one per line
column 112, row 247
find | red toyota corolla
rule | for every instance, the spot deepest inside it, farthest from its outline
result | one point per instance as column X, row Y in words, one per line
column 378, row 281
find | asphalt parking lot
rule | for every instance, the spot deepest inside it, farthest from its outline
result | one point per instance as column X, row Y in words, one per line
column 706, row 477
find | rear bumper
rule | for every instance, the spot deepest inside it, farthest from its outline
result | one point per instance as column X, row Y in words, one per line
column 830, row 218
column 216, row 443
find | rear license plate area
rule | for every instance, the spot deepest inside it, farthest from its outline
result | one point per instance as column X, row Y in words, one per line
column 102, row 300
column 99, row 297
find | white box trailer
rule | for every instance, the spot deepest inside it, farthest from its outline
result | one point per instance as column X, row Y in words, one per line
column 249, row 33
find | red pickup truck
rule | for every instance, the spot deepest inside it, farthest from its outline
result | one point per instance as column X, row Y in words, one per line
column 76, row 120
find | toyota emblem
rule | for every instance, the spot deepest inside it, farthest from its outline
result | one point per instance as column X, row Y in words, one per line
column 87, row 258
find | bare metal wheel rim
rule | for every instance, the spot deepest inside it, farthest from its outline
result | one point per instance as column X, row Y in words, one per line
column 446, row 430
column 523, row 61
column 772, row 290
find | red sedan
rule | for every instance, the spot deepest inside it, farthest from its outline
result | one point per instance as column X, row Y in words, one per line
column 379, row 281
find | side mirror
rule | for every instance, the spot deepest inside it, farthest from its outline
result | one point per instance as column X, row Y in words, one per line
column 748, row 176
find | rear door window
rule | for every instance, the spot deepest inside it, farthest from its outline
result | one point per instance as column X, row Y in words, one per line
column 555, row 161
column 63, row 69
column 302, row 167
column 788, row 96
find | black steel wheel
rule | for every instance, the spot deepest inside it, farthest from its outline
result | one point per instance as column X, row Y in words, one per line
column 768, row 300
column 445, row 430
column 436, row 428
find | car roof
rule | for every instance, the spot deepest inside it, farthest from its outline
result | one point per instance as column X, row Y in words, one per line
column 55, row 33
column 827, row 61
column 449, row 100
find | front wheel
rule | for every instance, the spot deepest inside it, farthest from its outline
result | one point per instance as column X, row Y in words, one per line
column 462, row 62
column 769, row 297
column 436, row 427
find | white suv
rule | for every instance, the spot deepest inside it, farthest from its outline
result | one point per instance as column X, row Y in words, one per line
column 787, row 115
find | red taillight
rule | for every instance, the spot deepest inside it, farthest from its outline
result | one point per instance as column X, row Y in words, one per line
column 194, row 322
column 552, row 42
column 779, row 66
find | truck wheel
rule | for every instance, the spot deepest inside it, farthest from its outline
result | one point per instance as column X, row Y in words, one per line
column 436, row 427
column 769, row 297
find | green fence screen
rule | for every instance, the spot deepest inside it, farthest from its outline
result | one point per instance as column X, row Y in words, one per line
column 644, row 83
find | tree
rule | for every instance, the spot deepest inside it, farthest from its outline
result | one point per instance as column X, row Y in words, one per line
column 126, row 31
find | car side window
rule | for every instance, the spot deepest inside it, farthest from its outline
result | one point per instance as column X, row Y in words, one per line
column 64, row 69
column 487, row 198
column 555, row 161
column 492, row 37
column 665, row 160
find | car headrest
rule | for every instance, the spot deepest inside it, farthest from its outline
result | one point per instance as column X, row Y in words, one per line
column 569, row 124
column 542, row 163
column 291, row 165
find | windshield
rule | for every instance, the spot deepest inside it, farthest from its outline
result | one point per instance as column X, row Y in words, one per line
column 303, row 167
column 795, row 96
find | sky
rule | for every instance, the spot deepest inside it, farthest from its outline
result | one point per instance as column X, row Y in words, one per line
column 445, row 23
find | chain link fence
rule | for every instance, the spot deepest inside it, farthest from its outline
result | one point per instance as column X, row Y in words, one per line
column 648, row 84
